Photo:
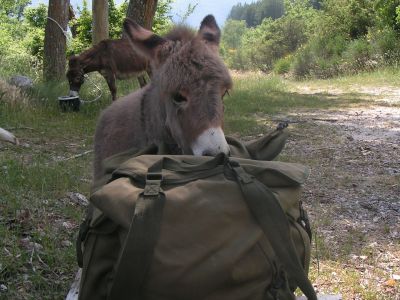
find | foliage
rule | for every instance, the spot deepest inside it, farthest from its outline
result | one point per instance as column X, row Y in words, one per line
column 14, row 8
column 232, row 33
column 162, row 19
column 349, row 17
column 254, row 13
column 83, row 28
column 323, row 38
column 283, row 65
column 262, row 45
column 36, row 17
column 116, row 15
column 388, row 12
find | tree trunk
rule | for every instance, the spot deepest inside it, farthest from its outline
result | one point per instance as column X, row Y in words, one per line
column 55, row 41
column 142, row 12
column 71, row 19
column 100, row 20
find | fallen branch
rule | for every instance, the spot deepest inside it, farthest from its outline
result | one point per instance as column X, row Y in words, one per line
column 20, row 127
column 325, row 120
column 76, row 156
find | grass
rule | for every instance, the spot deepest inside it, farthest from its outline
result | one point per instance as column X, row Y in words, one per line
column 34, row 206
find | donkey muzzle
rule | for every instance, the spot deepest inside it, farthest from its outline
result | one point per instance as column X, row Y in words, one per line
column 73, row 93
column 210, row 143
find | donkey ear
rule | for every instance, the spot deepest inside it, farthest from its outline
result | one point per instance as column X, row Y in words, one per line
column 144, row 41
column 209, row 31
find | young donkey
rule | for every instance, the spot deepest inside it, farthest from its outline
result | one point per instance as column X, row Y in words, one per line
column 183, row 103
column 114, row 59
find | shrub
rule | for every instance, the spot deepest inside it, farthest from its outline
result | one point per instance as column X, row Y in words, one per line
column 384, row 45
column 357, row 56
column 282, row 66
column 303, row 62
column 11, row 94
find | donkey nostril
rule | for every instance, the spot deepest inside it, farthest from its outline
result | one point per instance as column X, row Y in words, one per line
column 206, row 153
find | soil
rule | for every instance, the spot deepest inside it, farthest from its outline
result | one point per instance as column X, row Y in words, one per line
column 353, row 192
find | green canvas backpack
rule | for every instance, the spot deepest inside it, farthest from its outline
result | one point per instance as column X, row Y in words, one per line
column 184, row 227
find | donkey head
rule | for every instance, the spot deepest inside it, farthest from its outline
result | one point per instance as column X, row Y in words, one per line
column 75, row 75
column 190, row 81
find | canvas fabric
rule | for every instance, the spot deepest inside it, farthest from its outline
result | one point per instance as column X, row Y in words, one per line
column 183, row 227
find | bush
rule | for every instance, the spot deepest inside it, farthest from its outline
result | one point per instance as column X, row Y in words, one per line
column 282, row 66
column 303, row 62
column 357, row 56
column 384, row 45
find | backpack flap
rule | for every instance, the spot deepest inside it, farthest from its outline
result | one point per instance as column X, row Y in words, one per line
column 117, row 200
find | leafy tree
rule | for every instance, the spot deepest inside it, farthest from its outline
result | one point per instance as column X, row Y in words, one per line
column 36, row 16
column 14, row 8
column 83, row 27
column 115, row 18
column 232, row 33
column 349, row 17
column 388, row 12
column 162, row 18
column 254, row 13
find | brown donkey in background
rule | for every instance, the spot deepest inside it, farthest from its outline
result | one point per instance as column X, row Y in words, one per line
column 114, row 59
column 183, row 103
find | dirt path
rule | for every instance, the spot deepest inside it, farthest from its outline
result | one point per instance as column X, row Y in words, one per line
column 353, row 194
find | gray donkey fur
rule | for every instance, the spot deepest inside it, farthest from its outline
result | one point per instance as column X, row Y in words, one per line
column 183, row 103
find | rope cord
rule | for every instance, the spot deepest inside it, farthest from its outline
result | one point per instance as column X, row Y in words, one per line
column 97, row 87
column 86, row 76
column 65, row 32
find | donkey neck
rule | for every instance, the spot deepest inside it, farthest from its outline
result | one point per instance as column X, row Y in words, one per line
column 90, row 63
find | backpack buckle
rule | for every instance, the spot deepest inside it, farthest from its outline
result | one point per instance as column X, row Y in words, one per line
column 153, row 184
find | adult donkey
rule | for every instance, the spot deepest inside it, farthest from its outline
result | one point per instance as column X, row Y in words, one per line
column 114, row 59
column 182, row 105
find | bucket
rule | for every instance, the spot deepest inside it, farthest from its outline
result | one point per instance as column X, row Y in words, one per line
column 69, row 103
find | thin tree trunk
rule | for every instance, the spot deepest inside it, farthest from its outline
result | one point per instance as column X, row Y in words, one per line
column 142, row 12
column 100, row 20
column 72, row 18
column 55, row 41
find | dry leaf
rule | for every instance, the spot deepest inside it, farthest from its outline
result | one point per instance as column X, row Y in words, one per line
column 390, row 282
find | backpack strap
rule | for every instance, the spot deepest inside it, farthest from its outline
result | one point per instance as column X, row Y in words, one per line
column 137, row 251
column 267, row 211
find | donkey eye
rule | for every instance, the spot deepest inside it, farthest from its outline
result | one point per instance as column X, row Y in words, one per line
column 179, row 99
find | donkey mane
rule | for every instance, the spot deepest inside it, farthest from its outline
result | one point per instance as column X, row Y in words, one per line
column 91, row 52
column 180, row 33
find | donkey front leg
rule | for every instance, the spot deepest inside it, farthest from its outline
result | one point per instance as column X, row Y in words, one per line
column 142, row 80
column 110, row 78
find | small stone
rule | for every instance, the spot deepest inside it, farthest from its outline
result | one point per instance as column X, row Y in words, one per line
column 66, row 243
column 78, row 198
column 68, row 225
column 22, row 82
column 3, row 288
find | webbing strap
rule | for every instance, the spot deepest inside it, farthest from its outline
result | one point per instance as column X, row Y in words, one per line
column 137, row 251
column 180, row 166
column 272, row 219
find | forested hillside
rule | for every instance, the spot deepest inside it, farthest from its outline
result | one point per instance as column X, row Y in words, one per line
column 313, row 38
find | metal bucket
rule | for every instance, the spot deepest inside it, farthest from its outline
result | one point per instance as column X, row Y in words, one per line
column 69, row 103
